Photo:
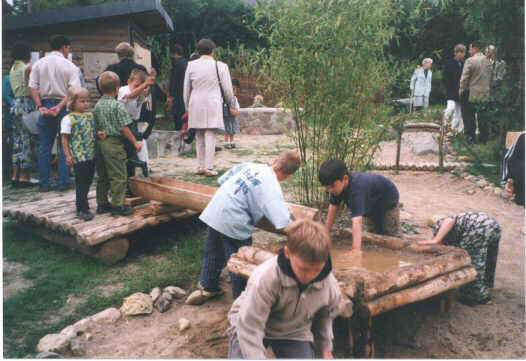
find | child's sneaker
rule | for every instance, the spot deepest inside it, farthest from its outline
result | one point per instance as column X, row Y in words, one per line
column 122, row 211
column 85, row 215
column 200, row 296
column 104, row 208
column 232, row 145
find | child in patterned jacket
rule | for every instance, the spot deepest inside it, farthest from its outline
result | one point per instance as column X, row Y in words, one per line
column 78, row 140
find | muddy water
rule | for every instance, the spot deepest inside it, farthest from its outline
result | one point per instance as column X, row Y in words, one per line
column 374, row 259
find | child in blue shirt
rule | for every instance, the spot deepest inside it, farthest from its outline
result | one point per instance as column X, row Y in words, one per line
column 248, row 193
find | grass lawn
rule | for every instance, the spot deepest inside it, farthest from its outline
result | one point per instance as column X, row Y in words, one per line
column 167, row 255
column 481, row 158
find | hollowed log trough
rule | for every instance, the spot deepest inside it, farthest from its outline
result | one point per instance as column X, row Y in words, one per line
column 439, row 270
column 196, row 197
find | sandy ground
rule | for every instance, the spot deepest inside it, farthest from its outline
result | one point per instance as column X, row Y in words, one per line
column 414, row 331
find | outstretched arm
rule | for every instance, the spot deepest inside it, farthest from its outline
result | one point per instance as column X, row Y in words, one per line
column 357, row 224
column 445, row 228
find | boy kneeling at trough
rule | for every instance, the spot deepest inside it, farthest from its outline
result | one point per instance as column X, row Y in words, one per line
column 248, row 193
column 290, row 300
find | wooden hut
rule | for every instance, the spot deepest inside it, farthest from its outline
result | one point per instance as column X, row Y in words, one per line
column 94, row 32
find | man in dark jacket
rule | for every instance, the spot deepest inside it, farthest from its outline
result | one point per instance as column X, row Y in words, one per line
column 451, row 76
column 176, row 85
column 125, row 65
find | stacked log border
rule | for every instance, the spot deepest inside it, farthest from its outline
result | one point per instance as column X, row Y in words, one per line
column 374, row 293
column 427, row 167
column 424, row 126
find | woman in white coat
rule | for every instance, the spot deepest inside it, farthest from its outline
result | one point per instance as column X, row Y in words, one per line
column 420, row 84
column 203, row 100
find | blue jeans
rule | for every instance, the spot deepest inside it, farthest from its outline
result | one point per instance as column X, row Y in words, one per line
column 47, row 132
column 218, row 249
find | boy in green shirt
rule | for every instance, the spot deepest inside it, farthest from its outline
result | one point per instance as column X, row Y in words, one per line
column 112, row 123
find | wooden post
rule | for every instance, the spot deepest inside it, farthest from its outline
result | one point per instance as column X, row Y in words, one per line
column 446, row 301
column 113, row 251
column 441, row 145
column 361, row 329
column 398, row 149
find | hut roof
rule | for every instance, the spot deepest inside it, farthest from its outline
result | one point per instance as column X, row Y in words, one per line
column 148, row 14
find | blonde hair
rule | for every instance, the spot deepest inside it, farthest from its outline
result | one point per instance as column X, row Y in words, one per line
column 109, row 82
column 309, row 240
column 73, row 96
column 124, row 50
column 258, row 99
column 138, row 74
column 288, row 162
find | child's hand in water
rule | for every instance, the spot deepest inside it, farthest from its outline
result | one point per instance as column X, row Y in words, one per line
column 355, row 255
column 429, row 242
column 101, row 134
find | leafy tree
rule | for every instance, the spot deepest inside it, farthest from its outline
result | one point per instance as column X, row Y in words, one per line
column 223, row 21
column 327, row 60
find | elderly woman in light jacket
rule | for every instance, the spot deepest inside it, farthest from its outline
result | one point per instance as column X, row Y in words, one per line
column 203, row 100
column 420, row 84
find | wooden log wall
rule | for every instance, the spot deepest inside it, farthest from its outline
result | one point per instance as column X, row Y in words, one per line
column 445, row 269
column 86, row 36
column 59, row 215
column 248, row 258
column 427, row 126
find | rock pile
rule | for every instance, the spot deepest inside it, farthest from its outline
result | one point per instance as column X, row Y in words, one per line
column 72, row 340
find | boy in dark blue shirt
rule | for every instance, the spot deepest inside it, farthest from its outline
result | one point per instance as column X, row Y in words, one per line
column 371, row 198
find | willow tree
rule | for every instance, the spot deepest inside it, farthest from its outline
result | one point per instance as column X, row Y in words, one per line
column 326, row 58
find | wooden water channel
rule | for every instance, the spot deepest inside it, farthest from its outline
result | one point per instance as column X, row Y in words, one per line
column 406, row 273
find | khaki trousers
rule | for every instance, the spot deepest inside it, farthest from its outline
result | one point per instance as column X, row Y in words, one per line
column 110, row 161
column 205, row 142
column 386, row 223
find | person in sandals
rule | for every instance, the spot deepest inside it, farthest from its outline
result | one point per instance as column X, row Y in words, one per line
column 290, row 300
column 248, row 192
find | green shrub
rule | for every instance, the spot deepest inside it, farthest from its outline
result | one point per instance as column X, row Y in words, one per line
column 326, row 58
